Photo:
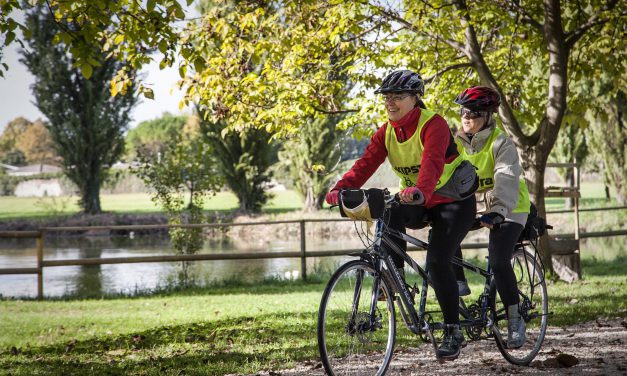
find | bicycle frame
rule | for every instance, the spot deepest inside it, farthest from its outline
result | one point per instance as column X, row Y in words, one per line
column 415, row 319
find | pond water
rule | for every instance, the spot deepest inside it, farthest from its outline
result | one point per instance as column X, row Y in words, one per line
column 95, row 280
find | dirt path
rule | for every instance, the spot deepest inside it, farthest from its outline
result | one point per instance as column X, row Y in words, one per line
column 597, row 347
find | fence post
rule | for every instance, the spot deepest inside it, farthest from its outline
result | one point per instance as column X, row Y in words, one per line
column 40, row 258
column 303, row 256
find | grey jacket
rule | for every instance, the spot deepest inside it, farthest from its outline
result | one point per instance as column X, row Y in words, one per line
column 503, row 197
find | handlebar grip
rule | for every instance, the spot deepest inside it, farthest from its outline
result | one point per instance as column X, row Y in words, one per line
column 417, row 199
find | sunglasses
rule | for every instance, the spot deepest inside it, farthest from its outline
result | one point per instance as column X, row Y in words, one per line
column 468, row 114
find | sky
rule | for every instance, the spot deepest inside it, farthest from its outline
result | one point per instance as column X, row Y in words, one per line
column 16, row 98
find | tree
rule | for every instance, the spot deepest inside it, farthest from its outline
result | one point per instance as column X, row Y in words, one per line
column 152, row 136
column 9, row 153
column 182, row 177
column 36, row 144
column 86, row 124
column 244, row 159
column 311, row 157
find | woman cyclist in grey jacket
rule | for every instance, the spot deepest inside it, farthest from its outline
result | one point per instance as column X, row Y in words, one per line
column 502, row 198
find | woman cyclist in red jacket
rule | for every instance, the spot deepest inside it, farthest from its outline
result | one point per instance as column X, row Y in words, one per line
column 418, row 143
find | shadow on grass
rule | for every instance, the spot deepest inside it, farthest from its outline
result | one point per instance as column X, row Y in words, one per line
column 202, row 348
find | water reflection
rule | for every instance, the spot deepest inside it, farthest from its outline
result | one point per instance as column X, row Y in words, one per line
column 95, row 280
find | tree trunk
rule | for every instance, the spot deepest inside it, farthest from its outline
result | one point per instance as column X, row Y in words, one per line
column 90, row 197
column 534, row 165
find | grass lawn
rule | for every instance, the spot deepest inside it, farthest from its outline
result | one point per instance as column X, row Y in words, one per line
column 132, row 203
column 223, row 330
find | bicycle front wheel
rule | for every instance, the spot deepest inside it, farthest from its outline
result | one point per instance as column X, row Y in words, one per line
column 534, row 309
column 356, row 324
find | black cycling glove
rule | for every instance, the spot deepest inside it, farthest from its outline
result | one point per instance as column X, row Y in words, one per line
column 492, row 218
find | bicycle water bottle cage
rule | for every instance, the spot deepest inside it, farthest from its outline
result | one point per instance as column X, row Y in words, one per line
column 362, row 205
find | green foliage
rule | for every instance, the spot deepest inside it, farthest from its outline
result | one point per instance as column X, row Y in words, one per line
column 86, row 124
column 127, row 29
column 153, row 135
column 186, row 168
column 13, row 157
column 609, row 140
column 311, row 157
column 244, row 159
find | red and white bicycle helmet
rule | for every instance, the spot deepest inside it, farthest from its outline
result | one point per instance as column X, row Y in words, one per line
column 479, row 98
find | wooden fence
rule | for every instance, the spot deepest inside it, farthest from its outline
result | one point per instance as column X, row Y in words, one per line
column 303, row 253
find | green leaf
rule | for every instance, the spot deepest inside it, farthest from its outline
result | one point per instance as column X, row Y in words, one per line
column 150, row 6
column 199, row 64
column 86, row 70
column 148, row 93
column 163, row 46
column 9, row 38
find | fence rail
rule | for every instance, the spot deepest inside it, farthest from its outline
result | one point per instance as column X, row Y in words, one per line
column 303, row 254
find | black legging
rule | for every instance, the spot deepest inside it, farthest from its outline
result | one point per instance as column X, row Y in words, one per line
column 500, row 250
column 449, row 225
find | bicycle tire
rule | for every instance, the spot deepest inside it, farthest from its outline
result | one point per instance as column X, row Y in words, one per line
column 353, row 347
column 534, row 306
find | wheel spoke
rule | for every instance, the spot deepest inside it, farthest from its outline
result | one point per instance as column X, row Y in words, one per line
column 534, row 310
column 350, row 339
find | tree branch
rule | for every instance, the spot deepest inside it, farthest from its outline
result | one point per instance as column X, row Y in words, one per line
column 395, row 17
column 449, row 68
column 573, row 36
column 334, row 112
column 475, row 55
column 363, row 33
column 526, row 17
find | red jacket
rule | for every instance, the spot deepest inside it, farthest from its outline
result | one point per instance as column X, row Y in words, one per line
column 439, row 148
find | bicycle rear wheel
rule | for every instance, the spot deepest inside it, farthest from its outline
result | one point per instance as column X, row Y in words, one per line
column 534, row 307
column 351, row 340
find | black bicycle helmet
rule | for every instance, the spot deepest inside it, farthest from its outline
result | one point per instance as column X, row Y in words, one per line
column 479, row 98
column 404, row 81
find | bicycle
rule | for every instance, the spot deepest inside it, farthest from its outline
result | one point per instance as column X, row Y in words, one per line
column 357, row 317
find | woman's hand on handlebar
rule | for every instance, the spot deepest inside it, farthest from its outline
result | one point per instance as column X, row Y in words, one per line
column 491, row 220
column 411, row 195
column 332, row 198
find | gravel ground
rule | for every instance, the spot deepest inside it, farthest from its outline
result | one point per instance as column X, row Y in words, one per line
column 593, row 348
